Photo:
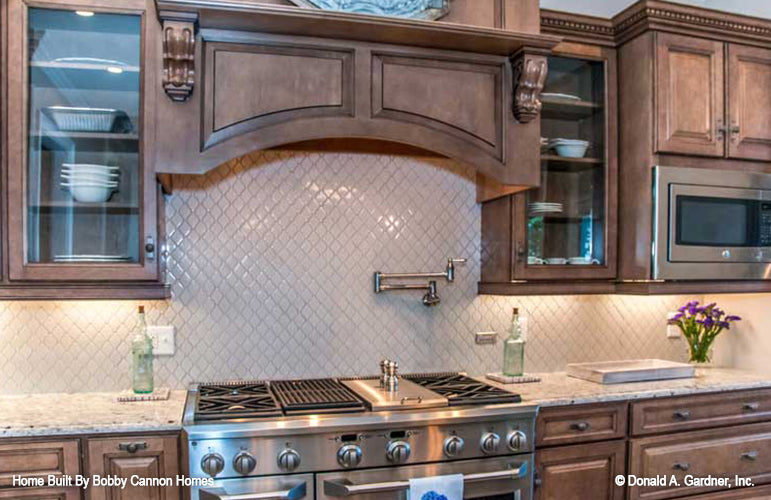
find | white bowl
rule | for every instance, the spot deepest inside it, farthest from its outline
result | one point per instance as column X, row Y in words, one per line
column 89, row 166
column 86, row 193
column 88, row 178
column 570, row 148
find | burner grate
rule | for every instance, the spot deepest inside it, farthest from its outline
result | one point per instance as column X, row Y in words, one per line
column 300, row 397
column 462, row 390
column 235, row 400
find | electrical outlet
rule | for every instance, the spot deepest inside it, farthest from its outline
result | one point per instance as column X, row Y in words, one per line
column 673, row 331
column 163, row 339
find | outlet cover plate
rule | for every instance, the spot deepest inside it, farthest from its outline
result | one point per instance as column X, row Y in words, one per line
column 673, row 331
column 163, row 340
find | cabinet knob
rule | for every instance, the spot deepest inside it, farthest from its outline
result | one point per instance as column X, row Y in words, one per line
column 682, row 415
column 683, row 466
column 750, row 456
column 132, row 447
column 580, row 426
column 150, row 247
column 753, row 406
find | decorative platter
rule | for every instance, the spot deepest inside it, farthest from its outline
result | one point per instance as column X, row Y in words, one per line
column 414, row 9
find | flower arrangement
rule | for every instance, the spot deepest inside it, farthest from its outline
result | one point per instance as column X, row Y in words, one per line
column 700, row 326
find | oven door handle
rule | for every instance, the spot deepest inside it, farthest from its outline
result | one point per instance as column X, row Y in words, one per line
column 294, row 493
column 344, row 488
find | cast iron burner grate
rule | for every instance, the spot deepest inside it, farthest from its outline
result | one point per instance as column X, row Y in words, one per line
column 462, row 390
column 302, row 397
column 235, row 400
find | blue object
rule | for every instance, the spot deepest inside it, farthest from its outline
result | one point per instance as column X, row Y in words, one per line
column 415, row 9
column 432, row 495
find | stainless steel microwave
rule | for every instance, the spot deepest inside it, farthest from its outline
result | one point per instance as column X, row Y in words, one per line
column 711, row 224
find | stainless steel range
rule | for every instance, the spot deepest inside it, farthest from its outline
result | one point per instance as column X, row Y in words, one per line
column 360, row 438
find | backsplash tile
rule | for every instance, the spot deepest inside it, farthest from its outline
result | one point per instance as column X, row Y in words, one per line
column 271, row 259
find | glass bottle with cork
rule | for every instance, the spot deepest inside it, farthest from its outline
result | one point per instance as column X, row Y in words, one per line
column 514, row 348
column 142, row 357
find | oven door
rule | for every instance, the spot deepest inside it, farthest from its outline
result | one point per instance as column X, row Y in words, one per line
column 506, row 478
column 291, row 487
column 711, row 225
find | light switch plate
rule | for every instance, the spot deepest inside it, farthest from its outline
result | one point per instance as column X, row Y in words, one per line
column 163, row 339
column 673, row 331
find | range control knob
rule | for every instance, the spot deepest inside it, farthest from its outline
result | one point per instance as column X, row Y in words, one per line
column 517, row 441
column 453, row 445
column 244, row 463
column 489, row 442
column 349, row 455
column 212, row 464
column 288, row 460
column 398, row 452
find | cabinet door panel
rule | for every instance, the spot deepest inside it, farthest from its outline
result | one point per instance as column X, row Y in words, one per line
column 41, row 494
column 749, row 102
column 156, row 457
column 689, row 91
column 580, row 472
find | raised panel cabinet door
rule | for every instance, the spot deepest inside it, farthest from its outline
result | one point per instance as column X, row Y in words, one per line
column 580, row 472
column 41, row 494
column 38, row 459
column 155, row 457
column 689, row 95
column 749, row 102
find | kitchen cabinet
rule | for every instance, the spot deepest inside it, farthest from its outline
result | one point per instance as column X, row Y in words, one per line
column 42, row 494
column 82, row 196
column 142, row 456
column 38, row 459
column 581, row 424
column 580, row 472
column 564, row 231
column 702, row 112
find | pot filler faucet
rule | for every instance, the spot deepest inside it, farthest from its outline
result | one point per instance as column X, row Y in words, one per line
column 431, row 298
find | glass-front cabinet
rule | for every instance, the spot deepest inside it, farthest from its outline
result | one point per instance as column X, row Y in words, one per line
column 566, row 227
column 82, row 198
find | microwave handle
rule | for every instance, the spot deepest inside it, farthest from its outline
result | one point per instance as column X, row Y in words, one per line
column 344, row 488
column 294, row 493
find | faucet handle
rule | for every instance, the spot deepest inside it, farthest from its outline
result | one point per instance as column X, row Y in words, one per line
column 451, row 267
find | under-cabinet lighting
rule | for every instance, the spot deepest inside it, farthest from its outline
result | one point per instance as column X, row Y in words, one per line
column 115, row 69
column 84, row 13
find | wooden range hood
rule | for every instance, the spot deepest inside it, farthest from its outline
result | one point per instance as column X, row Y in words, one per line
column 240, row 76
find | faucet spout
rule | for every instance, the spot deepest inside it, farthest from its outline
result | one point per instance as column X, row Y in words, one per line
column 431, row 298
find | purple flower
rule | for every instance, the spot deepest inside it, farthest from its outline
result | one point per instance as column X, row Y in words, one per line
column 733, row 318
column 724, row 324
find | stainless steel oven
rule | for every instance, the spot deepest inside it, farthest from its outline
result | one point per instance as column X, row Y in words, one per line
column 711, row 224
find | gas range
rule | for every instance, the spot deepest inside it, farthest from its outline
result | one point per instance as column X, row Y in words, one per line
column 344, row 437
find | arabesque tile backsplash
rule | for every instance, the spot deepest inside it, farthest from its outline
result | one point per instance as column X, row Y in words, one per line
column 270, row 260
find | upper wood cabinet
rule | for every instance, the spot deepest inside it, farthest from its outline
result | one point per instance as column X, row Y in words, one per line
column 690, row 95
column 566, row 228
column 82, row 197
column 713, row 98
column 259, row 76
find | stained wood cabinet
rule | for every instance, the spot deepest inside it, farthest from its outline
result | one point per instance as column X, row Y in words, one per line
column 564, row 230
column 713, row 98
column 83, row 208
column 580, row 472
column 42, row 494
column 145, row 457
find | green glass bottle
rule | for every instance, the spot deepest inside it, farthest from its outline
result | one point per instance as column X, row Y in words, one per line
column 142, row 357
column 514, row 349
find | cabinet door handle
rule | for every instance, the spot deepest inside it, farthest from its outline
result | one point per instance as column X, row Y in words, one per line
column 753, row 406
column 150, row 248
column 682, row 415
column 750, row 455
column 521, row 251
column 132, row 447
column 580, row 426
column 683, row 466
column 537, row 481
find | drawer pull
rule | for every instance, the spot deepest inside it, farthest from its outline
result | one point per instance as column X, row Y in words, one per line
column 750, row 455
column 683, row 466
column 580, row 426
column 132, row 447
column 682, row 415
column 751, row 406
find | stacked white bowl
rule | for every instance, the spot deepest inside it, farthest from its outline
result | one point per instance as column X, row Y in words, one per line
column 90, row 183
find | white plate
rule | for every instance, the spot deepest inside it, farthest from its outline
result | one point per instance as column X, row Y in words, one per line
column 557, row 95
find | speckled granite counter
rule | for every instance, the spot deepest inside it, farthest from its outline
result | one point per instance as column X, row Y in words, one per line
column 86, row 413
column 556, row 389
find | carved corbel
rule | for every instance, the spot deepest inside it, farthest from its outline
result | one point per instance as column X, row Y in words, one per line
column 530, row 72
column 178, row 54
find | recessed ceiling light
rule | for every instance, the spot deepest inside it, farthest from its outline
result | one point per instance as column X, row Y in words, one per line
column 84, row 13
column 115, row 69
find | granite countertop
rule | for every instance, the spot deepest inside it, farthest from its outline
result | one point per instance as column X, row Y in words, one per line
column 558, row 389
column 87, row 413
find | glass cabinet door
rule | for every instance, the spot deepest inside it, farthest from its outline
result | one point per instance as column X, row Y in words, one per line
column 83, row 180
column 566, row 218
